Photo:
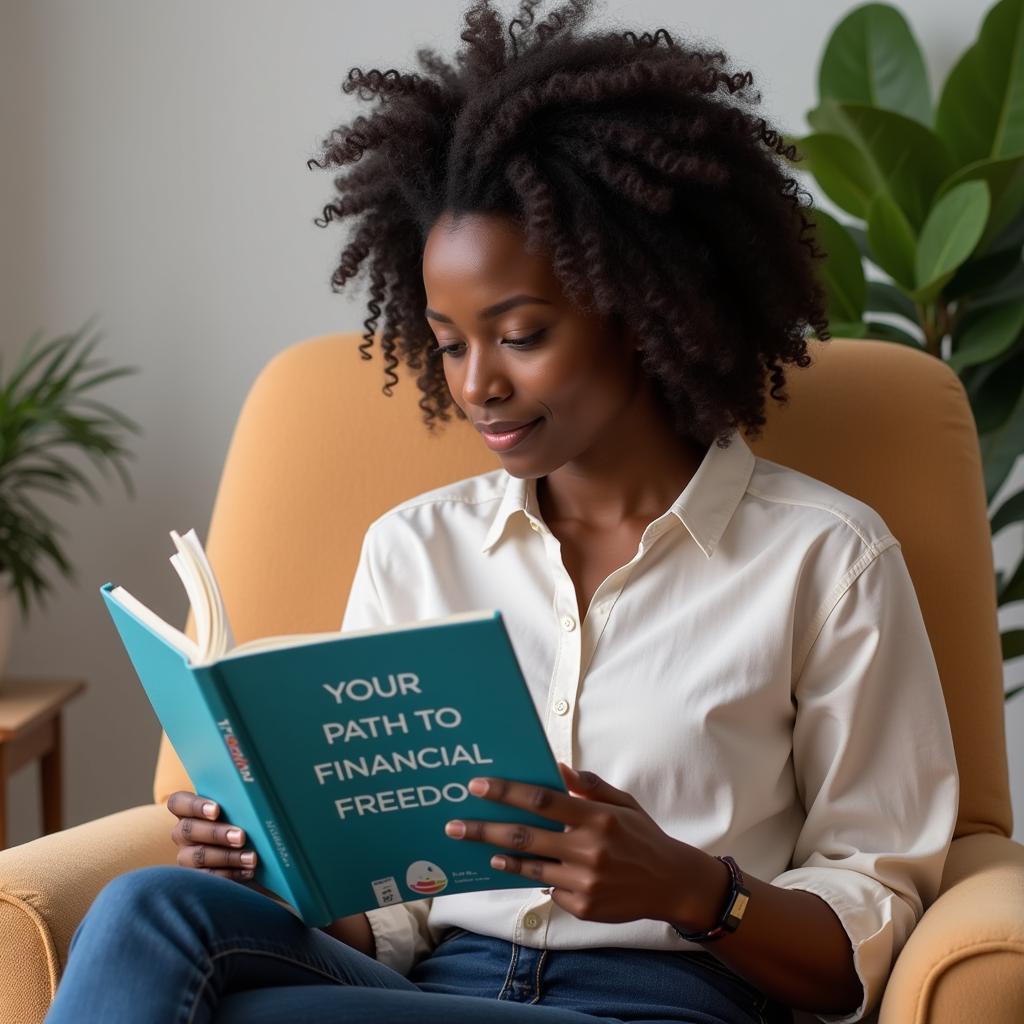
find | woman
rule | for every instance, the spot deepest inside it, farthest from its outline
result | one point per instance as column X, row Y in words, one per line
column 593, row 257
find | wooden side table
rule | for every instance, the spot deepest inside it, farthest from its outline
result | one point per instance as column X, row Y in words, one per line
column 30, row 727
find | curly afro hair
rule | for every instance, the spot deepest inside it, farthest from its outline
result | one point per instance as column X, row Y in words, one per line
column 661, row 205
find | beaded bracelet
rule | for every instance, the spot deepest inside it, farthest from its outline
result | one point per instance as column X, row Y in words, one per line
column 735, row 906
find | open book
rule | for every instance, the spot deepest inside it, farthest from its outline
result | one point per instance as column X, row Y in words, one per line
column 342, row 755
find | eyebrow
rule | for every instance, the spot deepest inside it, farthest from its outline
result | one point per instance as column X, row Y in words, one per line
column 491, row 311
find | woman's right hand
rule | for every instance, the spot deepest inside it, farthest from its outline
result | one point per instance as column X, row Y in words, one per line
column 206, row 843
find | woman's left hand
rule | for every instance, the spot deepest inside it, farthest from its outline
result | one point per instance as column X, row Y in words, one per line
column 611, row 863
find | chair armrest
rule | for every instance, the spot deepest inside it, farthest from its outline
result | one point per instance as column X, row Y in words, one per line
column 47, row 885
column 965, row 959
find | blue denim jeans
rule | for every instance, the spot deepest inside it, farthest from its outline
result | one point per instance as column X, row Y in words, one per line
column 172, row 944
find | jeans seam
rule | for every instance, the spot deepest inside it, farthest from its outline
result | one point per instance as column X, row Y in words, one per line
column 253, row 952
column 511, row 968
column 536, row 981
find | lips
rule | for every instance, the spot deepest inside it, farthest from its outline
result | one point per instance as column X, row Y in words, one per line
column 502, row 426
column 506, row 439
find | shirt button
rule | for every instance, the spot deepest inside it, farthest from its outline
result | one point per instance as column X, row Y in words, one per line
column 560, row 707
column 568, row 623
column 534, row 526
column 531, row 921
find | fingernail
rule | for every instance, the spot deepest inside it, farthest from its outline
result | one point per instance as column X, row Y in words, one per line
column 234, row 835
column 478, row 786
column 456, row 829
column 210, row 809
column 498, row 862
column 247, row 874
column 248, row 857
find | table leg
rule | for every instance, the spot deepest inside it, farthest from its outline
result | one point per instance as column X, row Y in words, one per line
column 51, row 773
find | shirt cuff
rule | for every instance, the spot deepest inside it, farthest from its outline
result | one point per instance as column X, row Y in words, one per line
column 398, row 933
column 876, row 920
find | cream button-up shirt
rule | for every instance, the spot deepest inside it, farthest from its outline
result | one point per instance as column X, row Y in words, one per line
column 757, row 675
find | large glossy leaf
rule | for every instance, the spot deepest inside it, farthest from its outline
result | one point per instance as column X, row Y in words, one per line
column 892, row 240
column 841, row 272
column 986, row 334
column 873, row 58
column 887, row 298
column 949, row 236
column 860, row 237
column 845, row 175
column 1009, row 288
column 981, row 109
column 999, row 412
column 847, row 329
column 1009, row 512
column 1013, row 589
column 1013, row 647
column 910, row 158
column 981, row 272
column 983, row 387
column 1005, row 180
column 883, row 331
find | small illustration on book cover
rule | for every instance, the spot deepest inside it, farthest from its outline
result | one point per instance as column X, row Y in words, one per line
column 425, row 878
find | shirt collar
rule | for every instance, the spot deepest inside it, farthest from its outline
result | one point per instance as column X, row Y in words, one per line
column 705, row 506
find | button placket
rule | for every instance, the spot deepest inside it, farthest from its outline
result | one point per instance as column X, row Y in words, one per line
column 564, row 676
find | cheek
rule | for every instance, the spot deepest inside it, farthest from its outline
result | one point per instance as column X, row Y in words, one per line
column 584, row 388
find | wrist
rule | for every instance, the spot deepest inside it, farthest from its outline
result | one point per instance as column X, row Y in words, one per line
column 700, row 906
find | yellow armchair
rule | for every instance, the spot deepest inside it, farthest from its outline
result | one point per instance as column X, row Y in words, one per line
column 318, row 452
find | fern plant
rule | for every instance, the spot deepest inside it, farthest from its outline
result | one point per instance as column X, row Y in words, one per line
column 48, row 412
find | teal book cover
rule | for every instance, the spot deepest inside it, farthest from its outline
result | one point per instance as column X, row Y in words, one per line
column 343, row 755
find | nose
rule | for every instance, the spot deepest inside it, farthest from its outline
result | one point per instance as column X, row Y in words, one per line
column 485, row 376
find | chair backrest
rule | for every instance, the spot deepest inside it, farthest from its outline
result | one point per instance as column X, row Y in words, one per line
column 319, row 451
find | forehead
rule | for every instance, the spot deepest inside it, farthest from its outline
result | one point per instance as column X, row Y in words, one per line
column 482, row 251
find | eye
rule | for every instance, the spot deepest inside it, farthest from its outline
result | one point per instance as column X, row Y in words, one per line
column 517, row 343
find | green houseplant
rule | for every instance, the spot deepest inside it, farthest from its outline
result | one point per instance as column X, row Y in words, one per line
column 47, row 412
column 938, row 192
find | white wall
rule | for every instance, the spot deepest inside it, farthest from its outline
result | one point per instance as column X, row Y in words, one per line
column 153, row 173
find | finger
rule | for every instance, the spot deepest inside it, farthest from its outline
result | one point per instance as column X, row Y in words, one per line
column 185, row 804
column 195, row 830
column 235, row 876
column 545, row 872
column 548, row 803
column 202, row 856
column 591, row 785
column 510, row 835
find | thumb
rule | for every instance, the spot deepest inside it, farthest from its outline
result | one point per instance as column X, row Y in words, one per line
column 592, row 785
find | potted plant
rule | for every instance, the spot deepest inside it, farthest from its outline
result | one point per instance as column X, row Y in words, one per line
column 939, row 195
column 47, row 412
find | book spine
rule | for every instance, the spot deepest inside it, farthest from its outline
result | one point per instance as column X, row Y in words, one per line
column 279, row 841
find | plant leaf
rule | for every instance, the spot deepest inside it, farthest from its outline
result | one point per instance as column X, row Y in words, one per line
column 1012, row 643
column 883, row 331
column 841, row 272
column 981, row 272
column 988, row 334
column 845, row 175
column 981, row 110
column 1001, row 445
column 872, row 57
column 1011, row 511
column 1005, row 180
column 907, row 156
column 949, row 236
column 884, row 297
column 892, row 240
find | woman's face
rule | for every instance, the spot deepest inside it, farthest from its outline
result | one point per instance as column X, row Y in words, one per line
column 519, row 351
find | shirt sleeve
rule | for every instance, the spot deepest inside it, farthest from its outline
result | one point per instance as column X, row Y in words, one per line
column 875, row 769
column 401, row 933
